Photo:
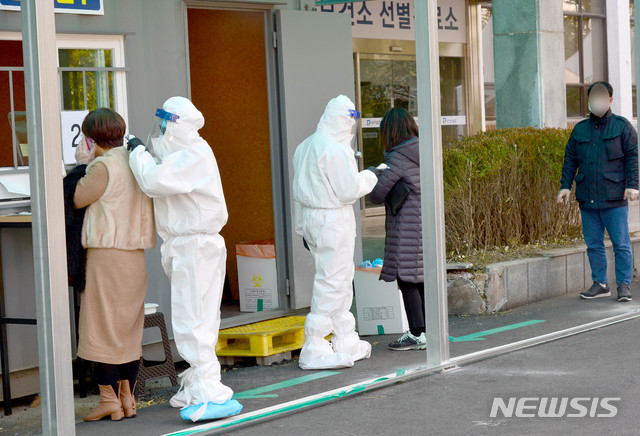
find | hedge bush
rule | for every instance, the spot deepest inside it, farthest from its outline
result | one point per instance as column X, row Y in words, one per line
column 500, row 189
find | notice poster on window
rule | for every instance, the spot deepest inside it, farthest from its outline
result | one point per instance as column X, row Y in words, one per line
column 71, row 126
column 394, row 19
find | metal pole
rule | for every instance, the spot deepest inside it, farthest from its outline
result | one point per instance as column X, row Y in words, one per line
column 636, row 31
column 433, row 243
column 49, row 249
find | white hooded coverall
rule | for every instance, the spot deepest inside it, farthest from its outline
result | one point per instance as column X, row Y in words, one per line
column 190, row 211
column 326, row 183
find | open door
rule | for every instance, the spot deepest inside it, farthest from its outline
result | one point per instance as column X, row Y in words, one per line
column 315, row 59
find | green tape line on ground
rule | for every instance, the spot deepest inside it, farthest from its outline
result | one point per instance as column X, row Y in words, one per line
column 260, row 392
column 336, row 395
column 478, row 336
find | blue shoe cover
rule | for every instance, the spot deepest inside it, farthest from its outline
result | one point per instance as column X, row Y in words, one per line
column 365, row 264
column 207, row 411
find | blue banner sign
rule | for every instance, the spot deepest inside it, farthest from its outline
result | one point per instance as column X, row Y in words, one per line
column 86, row 7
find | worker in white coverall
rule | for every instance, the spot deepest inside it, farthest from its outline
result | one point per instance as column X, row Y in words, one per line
column 181, row 175
column 326, row 183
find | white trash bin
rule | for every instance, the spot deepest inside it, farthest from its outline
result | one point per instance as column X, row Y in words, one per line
column 379, row 304
column 257, row 276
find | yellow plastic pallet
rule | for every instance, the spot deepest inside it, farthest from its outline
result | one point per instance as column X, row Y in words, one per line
column 262, row 339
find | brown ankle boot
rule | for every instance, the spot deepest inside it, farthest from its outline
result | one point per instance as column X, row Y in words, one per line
column 109, row 405
column 127, row 399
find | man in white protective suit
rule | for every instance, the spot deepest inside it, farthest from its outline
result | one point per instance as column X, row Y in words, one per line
column 180, row 173
column 326, row 183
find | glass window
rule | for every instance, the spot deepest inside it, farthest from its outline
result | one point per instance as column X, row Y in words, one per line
column 375, row 87
column 593, row 6
column 13, row 126
column 87, row 79
column 487, row 44
column 593, row 42
column 571, row 5
column 486, row 16
column 489, row 101
column 574, row 102
column 585, row 51
column 92, row 75
column 571, row 50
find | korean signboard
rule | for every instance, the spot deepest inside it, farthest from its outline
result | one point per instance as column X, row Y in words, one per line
column 394, row 19
column 85, row 7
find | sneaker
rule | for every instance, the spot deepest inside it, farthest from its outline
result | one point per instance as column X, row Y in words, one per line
column 409, row 342
column 623, row 292
column 597, row 290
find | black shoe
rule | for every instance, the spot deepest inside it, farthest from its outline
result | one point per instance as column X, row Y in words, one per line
column 623, row 292
column 409, row 342
column 597, row 290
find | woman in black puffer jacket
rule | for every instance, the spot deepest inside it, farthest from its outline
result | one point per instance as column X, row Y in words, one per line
column 399, row 188
column 74, row 218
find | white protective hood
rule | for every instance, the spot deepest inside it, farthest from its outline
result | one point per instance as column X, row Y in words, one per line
column 336, row 122
column 183, row 132
column 325, row 170
column 185, row 184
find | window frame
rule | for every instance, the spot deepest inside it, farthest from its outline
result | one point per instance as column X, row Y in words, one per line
column 115, row 43
column 581, row 15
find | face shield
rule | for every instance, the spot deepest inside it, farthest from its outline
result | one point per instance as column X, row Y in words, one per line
column 355, row 115
column 161, row 123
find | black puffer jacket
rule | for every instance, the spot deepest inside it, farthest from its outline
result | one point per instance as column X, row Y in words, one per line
column 76, row 254
column 403, row 243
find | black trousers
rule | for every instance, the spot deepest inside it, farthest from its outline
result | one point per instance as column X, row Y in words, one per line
column 109, row 374
column 413, row 296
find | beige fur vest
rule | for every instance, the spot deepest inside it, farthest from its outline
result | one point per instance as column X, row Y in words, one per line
column 122, row 217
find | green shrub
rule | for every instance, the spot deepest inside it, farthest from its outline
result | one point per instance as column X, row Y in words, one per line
column 500, row 189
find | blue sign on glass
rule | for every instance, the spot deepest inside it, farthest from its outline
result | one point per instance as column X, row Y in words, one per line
column 92, row 7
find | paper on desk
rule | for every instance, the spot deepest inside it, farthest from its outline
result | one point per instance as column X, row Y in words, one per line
column 15, row 185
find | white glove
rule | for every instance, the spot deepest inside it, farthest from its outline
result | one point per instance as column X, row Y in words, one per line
column 631, row 194
column 383, row 166
column 563, row 195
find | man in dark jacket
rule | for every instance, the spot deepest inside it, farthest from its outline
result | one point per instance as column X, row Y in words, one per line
column 603, row 149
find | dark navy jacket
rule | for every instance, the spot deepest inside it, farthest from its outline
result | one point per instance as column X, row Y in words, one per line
column 604, row 152
column 403, row 241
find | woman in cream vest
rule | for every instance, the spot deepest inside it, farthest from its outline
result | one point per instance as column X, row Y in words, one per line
column 118, row 226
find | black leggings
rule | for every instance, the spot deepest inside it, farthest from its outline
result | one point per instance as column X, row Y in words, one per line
column 413, row 296
column 109, row 374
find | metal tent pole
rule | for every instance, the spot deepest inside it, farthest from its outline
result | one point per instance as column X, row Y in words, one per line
column 433, row 243
column 47, row 205
column 636, row 31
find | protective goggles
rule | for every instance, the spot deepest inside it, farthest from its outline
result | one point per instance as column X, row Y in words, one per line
column 354, row 113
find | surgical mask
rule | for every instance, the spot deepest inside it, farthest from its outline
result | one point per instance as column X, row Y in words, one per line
column 598, row 106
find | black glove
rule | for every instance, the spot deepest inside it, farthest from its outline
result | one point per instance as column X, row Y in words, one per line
column 377, row 171
column 133, row 143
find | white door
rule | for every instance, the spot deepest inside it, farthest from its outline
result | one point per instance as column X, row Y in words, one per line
column 315, row 60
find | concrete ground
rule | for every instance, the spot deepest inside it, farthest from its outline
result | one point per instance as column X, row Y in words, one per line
column 598, row 363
